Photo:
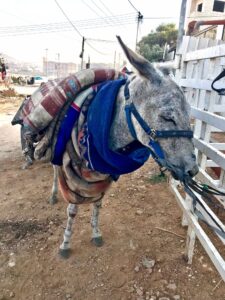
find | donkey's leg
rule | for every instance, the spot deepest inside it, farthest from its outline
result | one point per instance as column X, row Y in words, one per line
column 27, row 150
column 53, row 198
column 64, row 249
column 96, row 234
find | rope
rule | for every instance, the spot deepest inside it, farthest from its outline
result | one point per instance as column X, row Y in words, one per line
column 204, row 190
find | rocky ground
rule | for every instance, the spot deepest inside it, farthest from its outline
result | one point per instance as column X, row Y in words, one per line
column 142, row 256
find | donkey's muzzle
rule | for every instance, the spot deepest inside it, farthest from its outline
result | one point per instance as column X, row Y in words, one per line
column 193, row 171
column 181, row 174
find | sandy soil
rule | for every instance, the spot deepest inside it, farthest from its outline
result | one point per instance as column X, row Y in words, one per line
column 138, row 259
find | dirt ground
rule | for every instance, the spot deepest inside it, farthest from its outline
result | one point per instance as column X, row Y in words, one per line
column 138, row 260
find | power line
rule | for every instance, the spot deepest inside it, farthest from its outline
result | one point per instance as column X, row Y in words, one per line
column 103, row 41
column 159, row 18
column 93, row 10
column 93, row 20
column 106, row 7
column 62, row 26
column 133, row 6
column 15, row 16
column 74, row 27
column 99, row 8
column 110, row 12
column 102, row 11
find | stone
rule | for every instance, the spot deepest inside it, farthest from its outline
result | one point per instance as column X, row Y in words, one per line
column 132, row 245
column 148, row 263
column 172, row 286
column 137, row 269
column 139, row 212
column 139, row 292
column 12, row 295
column 11, row 264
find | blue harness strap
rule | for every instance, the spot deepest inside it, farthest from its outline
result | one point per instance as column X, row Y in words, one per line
column 130, row 110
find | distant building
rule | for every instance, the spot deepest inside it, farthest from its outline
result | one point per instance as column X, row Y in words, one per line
column 54, row 69
column 206, row 18
column 101, row 65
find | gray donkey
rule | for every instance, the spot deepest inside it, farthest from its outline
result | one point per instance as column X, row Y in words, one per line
column 149, row 104
column 150, row 112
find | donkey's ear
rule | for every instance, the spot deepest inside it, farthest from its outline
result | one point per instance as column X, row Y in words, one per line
column 143, row 66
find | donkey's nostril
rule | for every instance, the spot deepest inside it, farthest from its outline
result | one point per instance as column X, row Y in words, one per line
column 193, row 171
column 193, row 156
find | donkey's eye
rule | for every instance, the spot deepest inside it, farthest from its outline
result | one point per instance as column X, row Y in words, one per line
column 169, row 119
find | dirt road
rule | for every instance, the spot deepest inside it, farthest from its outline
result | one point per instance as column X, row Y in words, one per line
column 138, row 259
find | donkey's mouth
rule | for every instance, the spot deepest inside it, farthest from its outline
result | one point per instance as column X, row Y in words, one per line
column 194, row 171
column 181, row 174
column 175, row 176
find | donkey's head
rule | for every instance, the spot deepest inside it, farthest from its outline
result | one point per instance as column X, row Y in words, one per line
column 162, row 105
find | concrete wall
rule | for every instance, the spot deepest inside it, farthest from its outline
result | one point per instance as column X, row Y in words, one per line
column 207, row 13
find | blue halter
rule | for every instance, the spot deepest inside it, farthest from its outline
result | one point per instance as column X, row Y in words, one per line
column 154, row 134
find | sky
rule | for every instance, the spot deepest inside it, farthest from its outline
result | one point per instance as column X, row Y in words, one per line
column 94, row 19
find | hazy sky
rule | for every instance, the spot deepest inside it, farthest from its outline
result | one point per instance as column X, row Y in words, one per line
column 33, row 47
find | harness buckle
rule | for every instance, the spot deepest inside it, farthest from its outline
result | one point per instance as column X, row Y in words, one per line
column 152, row 135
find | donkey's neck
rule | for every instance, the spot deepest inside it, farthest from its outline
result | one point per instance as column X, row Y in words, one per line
column 119, row 132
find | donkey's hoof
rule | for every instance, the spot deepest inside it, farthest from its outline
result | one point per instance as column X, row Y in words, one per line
column 97, row 241
column 65, row 253
column 52, row 200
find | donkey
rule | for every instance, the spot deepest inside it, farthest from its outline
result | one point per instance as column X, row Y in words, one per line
column 151, row 116
column 150, row 109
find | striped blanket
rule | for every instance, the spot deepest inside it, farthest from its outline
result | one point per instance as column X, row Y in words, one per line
column 41, row 114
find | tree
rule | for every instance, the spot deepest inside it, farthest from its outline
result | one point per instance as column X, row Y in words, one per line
column 152, row 46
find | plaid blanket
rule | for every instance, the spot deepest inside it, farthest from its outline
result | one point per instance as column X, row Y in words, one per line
column 42, row 113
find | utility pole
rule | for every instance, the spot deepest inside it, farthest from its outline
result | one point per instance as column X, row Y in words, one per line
column 88, row 64
column 139, row 20
column 82, row 53
column 114, row 61
column 58, row 68
column 181, row 23
column 46, row 61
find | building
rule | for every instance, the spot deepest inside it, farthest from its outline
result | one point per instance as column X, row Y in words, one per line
column 206, row 18
column 56, row 69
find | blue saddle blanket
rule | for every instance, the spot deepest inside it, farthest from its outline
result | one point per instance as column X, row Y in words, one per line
column 96, row 131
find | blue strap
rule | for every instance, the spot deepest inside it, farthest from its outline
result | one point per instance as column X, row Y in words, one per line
column 129, row 122
column 126, row 90
column 174, row 133
column 131, row 109
column 155, row 150
column 158, row 152
column 138, row 117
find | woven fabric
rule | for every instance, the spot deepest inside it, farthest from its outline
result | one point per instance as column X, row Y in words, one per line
column 44, row 105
